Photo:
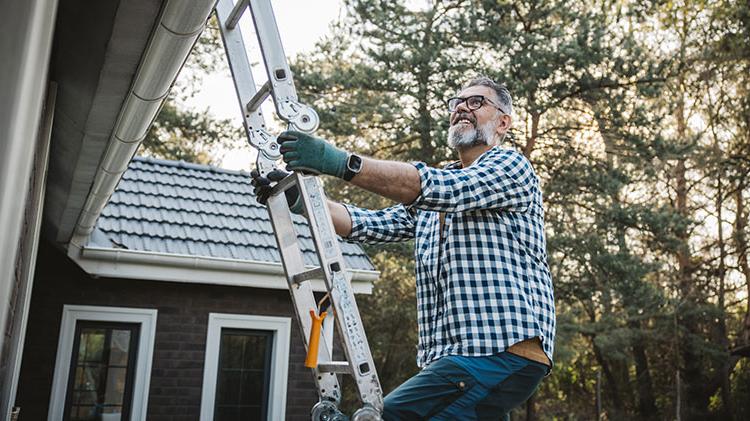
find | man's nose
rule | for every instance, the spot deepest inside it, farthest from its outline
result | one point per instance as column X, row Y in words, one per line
column 463, row 107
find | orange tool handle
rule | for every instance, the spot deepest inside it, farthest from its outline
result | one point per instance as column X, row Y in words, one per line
column 311, row 361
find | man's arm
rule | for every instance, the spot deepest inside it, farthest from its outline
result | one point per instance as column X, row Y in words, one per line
column 390, row 224
column 342, row 221
column 505, row 181
column 397, row 181
column 394, row 180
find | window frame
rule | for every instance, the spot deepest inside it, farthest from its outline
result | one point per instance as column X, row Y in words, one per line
column 267, row 362
column 135, row 330
column 144, row 356
column 279, row 368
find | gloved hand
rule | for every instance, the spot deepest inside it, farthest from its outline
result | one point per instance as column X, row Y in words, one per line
column 262, row 188
column 310, row 154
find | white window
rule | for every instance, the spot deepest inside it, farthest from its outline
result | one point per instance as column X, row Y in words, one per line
column 246, row 368
column 103, row 365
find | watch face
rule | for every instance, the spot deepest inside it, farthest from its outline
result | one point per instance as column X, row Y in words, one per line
column 354, row 163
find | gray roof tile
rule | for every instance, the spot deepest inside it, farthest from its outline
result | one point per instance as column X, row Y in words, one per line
column 177, row 207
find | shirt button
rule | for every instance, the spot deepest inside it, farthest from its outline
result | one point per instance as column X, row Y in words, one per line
column 461, row 385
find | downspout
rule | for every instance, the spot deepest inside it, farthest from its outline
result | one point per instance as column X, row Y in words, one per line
column 179, row 27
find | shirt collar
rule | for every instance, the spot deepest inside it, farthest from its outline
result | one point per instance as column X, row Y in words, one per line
column 456, row 165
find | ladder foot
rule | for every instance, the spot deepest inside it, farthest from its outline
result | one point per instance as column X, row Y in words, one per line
column 327, row 411
column 367, row 413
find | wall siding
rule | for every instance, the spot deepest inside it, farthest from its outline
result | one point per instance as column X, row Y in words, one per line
column 177, row 371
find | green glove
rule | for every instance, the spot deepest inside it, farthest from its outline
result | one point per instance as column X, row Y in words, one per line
column 310, row 154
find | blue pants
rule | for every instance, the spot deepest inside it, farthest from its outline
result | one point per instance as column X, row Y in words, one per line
column 466, row 388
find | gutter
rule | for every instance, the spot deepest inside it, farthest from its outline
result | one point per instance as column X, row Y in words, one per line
column 148, row 265
column 179, row 27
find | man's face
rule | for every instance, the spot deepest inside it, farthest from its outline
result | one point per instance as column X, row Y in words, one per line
column 477, row 127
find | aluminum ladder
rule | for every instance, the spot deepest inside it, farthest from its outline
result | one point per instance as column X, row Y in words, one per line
column 331, row 268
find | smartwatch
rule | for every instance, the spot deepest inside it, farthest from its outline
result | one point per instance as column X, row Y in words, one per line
column 353, row 166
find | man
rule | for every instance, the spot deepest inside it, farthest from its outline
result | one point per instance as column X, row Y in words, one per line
column 484, row 292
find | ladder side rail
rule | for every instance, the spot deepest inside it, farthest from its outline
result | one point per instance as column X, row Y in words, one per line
column 239, row 65
column 288, row 107
column 302, row 294
column 338, row 282
column 234, row 16
column 274, row 57
column 244, row 85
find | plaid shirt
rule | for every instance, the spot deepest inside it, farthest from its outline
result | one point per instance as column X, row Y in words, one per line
column 483, row 283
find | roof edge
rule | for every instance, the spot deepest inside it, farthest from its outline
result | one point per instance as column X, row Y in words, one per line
column 147, row 265
column 189, row 165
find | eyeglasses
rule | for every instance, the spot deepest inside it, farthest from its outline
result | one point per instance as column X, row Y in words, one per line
column 473, row 102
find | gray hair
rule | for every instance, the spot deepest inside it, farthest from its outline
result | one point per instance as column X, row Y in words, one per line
column 501, row 92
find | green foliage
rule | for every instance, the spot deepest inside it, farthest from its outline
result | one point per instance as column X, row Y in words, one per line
column 189, row 135
column 741, row 387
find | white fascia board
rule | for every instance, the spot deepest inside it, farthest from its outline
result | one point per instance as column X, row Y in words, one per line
column 145, row 265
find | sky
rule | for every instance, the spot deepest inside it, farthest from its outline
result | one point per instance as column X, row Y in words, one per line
column 301, row 24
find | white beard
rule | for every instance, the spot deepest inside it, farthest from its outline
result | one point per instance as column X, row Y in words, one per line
column 460, row 137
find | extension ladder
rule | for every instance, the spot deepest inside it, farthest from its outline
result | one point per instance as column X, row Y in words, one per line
column 331, row 269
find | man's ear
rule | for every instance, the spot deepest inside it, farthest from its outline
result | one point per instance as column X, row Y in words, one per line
column 503, row 125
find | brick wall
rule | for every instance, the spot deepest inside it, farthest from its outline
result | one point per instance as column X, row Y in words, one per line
column 177, row 371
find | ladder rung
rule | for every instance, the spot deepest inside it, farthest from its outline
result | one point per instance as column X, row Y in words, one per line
column 237, row 12
column 283, row 185
column 334, row 367
column 316, row 273
column 259, row 97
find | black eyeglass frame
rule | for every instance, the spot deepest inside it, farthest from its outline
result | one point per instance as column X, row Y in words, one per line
column 483, row 99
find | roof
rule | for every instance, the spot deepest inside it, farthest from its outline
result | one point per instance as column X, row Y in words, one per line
column 189, row 209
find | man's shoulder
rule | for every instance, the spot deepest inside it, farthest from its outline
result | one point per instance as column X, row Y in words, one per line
column 506, row 153
column 508, row 159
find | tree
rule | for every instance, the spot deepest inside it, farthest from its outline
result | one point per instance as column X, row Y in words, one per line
column 381, row 82
column 189, row 135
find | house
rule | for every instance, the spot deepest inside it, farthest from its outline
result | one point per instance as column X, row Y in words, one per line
column 131, row 288
column 182, row 263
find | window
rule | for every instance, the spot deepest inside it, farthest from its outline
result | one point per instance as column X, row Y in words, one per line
column 100, row 382
column 103, row 364
column 245, row 373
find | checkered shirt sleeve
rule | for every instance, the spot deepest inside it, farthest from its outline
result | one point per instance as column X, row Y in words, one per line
column 381, row 226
